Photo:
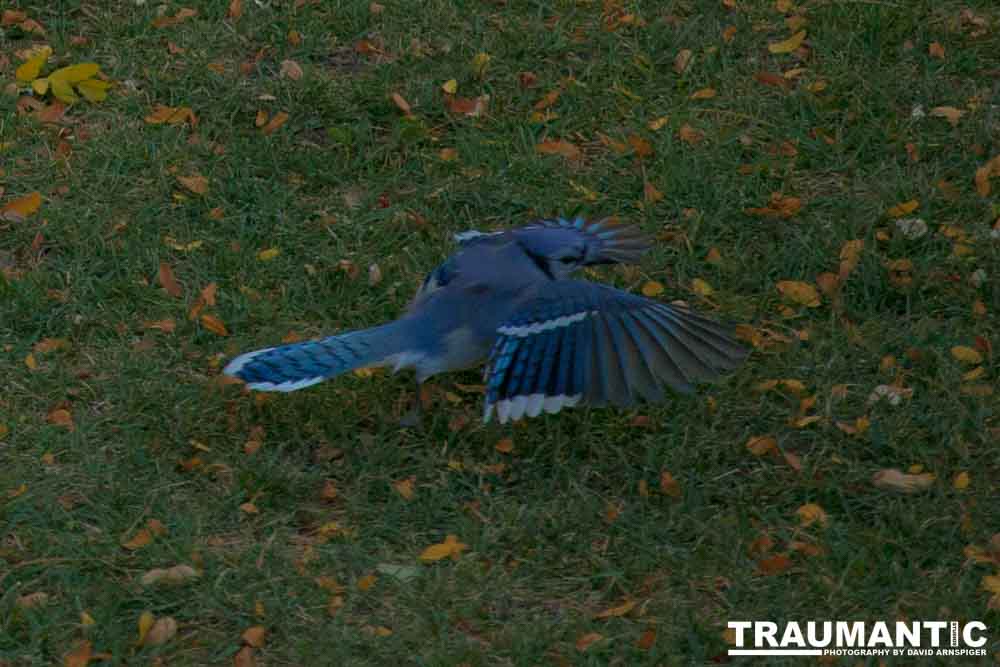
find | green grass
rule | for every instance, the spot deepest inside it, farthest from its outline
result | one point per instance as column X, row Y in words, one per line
column 349, row 178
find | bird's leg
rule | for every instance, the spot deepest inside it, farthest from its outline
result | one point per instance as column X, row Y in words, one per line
column 414, row 415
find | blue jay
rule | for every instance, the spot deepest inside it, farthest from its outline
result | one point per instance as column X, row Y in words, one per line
column 549, row 341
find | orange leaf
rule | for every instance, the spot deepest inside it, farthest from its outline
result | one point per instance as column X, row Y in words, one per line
column 641, row 147
column 404, row 487
column 585, row 641
column 567, row 149
column 62, row 417
column 401, row 103
column 235, row 9
column 905, row 208
column 142, row 538
column 761, row 444
column 276, row 121
column 450, row 547
column 896, row 480
column 22, row 207
column 183, row 14
column 254, row 636
column 214, row 324
column 653, row 288
column 774, row 565
column 788, row 45
column 473, row 107
column 169, row 282
column 647, row 639
column 703, row 94
column 799, row 292
column 366, row 582
column 620, row 610
column 505, row 446
column 669, row 486
column 245, row 658
column 650, row 193
column 196, row 183
column 936, row 50
column 79, row 656
column 690, row 135
column 547, row 100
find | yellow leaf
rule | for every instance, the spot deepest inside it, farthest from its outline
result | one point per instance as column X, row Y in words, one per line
column 620, row 610
column 961, row 481
column 94, row 90
column 63, row 91
column 450, row 547
column 214, row 324
column 701, row 288
column 40, row 86
column 703, row 94
column 450, row 86
column 268, row 254
column 32, row 67
column 658, row 123
column 20, row 208
column 975, row 374
column 146, row 621
column 404, row 487
column 276, row 121
column 19, row 491
column 967, row 355
column 811, row 513
column 31, row 362
column 991, row 583
column 653, row 288
column 76, row 73
column 905, row 208
column 86, row 620
column 799, row 292
column 788, row 45
column 480, row 62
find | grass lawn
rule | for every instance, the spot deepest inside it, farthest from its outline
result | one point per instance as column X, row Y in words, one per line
column 781, row 188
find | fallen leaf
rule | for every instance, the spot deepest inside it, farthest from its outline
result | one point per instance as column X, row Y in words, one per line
column 669, row 486
column 547, row 100
column 62, row 417
column 935, row 50
column 658, row 123
column 653, row 288
column 245, row 657
column 401, row 103
column 620, row 610
column 568, row 150
column 799, row 293
column 450, row 547
column 811, row 513
column 162, row 631
column 178, row 574
column 79, row 656
column 788, row 45
column 690, row 135
column 701, row 287
column 254, row 636
column 235, row 9
column 961, row 481
column 967, row 355
column 472, row 107
column 196, row 183
column 268, row 254
column 894, row 479
column 214, row 324
column 171, row 115
column 183, row 14
column 450, row 86
column 682, row 60
column 760, row 445
column 585, row 641
column 505, row 446
column 728, row 34
column 404, row 487
column 18, row 209
column 772, row 79
column 774, row 565
column 291, row 70
column 32, row 67
column 142, row 538
column 276, row 122
column 650, row 193
column 905, row 208
column 168, row 281
column 32, row 600
column 952, row 114
column 703, row 94
column 366, row 582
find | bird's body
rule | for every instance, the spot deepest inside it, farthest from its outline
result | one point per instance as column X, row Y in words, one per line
column 551, row 341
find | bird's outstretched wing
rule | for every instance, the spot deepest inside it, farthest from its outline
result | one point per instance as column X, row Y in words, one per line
column 577, row 342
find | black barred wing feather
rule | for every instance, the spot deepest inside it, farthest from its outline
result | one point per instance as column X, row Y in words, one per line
column 586, row 343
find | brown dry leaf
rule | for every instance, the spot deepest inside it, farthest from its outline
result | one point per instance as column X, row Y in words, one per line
column 682, row 60
column 586, row 641
column 32, row 600
column 894, row 479
column 249, row 508
column 850, row 255
column 168, row 281
column 171, row 116
column 79, row 656
column 178, row 574
column 641, row 147
column 951, row 113
column 983, row 174
column 19, row 491
column 448, row 154
column 235, row 9
column 620, row 610
column 62, row 417
column 759, row 445
column 761, row 545
column 401, row 103
column 183, row 14
column 217, row 213
column 214, row 324
column 669, row 486
column 779, row 206
column 703, row 94
column 196, row 183
column 505, row 446
column 245, row 657
column 568, row 150
column 547, row 100
column 690, row 135
column 772, row 79
column 260, row 120
column 366, row 582
column 163, row 630
column 255, row 636
column 788, row 45
column 728, row 34
column 450, row 547
column 799, row 293
column 142, row 538
column 473, row 107
column 650, row 194
column 961, row 481
column 291, row 70
column 46, row 345
column 774, row 565
column 935, row 50
column 405, row 487
column 276, row 122
column 18, row 209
